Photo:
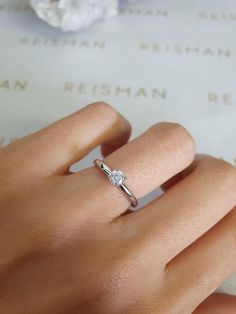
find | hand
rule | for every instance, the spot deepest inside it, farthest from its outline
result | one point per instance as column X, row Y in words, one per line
column 67, row 244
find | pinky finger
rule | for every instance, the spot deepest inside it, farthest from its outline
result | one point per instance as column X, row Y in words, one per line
column 201, row 268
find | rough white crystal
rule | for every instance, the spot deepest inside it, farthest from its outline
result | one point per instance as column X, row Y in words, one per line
column 72, row 15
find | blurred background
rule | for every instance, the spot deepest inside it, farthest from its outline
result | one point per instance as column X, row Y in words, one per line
column 172, row 60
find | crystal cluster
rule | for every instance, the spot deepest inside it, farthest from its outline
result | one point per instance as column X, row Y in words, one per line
column 72, row 15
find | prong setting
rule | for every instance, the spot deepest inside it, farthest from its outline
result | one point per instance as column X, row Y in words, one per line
column 116, row 177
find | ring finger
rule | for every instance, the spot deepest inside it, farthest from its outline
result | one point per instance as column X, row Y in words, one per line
column 149, row 160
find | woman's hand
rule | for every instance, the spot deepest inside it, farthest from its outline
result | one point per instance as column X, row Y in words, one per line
column 67, row 246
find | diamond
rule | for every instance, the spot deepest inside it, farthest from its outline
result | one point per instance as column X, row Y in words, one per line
column 116, row 177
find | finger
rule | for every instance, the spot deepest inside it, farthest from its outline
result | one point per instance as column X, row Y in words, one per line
column 181, row 175
column 217, row 303
column 54, row 149
column 202, row 267
column 147, row 161
column 188, row 209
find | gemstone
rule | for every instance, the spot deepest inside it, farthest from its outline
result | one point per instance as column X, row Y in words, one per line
column 116, row 177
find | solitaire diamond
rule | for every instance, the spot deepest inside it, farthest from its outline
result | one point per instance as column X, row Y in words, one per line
column 116, row 177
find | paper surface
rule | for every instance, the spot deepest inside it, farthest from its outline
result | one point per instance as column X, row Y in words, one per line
column 158, row 61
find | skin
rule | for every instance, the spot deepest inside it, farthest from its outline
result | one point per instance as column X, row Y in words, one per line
column 69, row 244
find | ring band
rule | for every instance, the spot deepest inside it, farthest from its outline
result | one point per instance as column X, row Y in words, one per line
column 117, row 178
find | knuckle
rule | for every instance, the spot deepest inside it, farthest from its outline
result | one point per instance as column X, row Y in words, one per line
column 111, row 118
column 233, row 224
column 179, row 133
column 230, row 229
column 232, row 219
column 231, row 177
column 219, row 167
column 104, row 109
column 220, row 171
column 174, row 136
column 108, row 115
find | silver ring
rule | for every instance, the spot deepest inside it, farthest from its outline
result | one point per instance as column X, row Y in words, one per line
column 117, row 178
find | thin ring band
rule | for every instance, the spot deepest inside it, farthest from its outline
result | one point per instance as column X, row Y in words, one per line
column 117, row 177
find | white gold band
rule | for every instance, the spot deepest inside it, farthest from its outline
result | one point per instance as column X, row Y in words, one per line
column 117, row 178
